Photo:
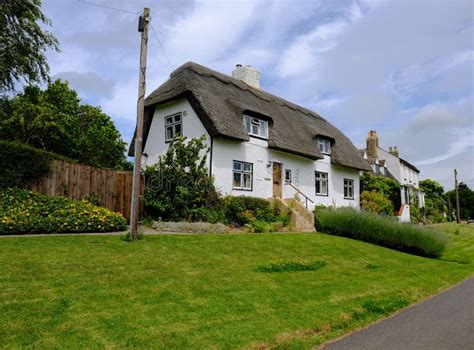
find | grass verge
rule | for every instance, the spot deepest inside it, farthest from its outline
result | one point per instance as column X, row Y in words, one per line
column 203, row 291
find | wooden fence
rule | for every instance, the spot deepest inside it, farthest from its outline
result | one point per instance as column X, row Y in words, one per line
column 112, row 188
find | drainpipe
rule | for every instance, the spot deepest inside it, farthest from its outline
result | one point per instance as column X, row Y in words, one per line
column 210, row 157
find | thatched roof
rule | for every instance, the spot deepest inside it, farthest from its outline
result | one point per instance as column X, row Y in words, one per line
column 220, row 100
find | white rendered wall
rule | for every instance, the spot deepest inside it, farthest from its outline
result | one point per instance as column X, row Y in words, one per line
column 302, row 169
column 408, row 176
column 256, row 152
column 192, row 127
column 392, row 163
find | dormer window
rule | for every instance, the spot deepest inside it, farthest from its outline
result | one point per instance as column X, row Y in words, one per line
column 256, row 127
column 324, row 145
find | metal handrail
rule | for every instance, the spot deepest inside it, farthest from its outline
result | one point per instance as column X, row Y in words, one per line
column 299, row 191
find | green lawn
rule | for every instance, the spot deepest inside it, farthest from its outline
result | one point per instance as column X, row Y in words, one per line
column 206, row 291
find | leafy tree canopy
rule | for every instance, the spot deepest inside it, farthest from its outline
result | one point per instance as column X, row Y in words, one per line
column 379, row 184
column 466, row 200
column 55, row 121
column 431, row 188
column 23, row 43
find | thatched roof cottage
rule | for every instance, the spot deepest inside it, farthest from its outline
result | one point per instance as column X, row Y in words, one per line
column 261, row 145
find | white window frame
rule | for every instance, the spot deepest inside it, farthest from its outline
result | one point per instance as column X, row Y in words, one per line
column 252, row 124
column 323, row 179
column 324, row 145
column 171, row 123
column 288, row 175
column 245, row 171
column 349, row 186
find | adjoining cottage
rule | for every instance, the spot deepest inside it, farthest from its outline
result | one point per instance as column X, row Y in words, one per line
column 390, row 164
column 261, row 145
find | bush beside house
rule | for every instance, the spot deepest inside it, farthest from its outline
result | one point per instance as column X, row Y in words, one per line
column 23, row 211
column 378, row 193
column 178, row 188
column 384, row 231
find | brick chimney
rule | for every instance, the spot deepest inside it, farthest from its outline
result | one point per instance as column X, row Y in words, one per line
column 394, row 151
column 248, row 75
column 372, row 144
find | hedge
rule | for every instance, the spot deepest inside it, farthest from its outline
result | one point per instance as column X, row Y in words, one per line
column 21, row 164
column 381, row 230
column 23, row 211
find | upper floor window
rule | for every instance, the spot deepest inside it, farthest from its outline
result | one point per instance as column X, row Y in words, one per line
column 173, row 126
column 324, row 145
column 256, row 127
column 377, row 169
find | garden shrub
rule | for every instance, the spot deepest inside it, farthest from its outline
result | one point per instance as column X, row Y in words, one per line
column 23, row 211
column 384, row 231
column 22, row 164
column 178, row 187
column 243, row 210
column 259, row 214
column 415, row 214
column 376, row 202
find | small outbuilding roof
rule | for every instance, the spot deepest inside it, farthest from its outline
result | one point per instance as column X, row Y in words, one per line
column 220, row 101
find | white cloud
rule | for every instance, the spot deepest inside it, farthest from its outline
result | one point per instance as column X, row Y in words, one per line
column 302, row 55
column 210, row 30
column 405, row 81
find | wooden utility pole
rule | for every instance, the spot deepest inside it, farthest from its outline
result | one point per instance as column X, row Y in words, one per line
column 458, row 218
column 135, row 205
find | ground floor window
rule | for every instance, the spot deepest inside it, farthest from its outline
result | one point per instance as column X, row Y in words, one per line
column 288, row 175
column 406, row 192
column 321, row 183
column 242, row 176
column 348, row 189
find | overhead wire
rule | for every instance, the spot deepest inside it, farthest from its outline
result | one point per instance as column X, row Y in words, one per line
column 170, row 64
column 108, row 7
column 161, row 46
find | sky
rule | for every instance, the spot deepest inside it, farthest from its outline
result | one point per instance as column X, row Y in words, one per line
column 404, row 68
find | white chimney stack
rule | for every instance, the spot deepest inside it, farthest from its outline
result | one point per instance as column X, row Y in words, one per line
column 248, row 75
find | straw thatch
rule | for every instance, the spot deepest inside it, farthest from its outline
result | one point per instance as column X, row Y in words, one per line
column 220, row 101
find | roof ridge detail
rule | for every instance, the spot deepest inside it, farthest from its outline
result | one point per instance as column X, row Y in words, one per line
column 227, row 79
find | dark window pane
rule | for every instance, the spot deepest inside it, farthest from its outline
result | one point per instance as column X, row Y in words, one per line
column 177, row 129
column 237, row 180
column 169, row 133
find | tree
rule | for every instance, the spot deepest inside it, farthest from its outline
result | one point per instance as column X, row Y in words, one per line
column 42, row 119
column 431, row 188
column 95, row 129
column 466, row 200
column 385, row 186
column 55, row 121
column 23, row 43
column 381, row 184
column 435, row 204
